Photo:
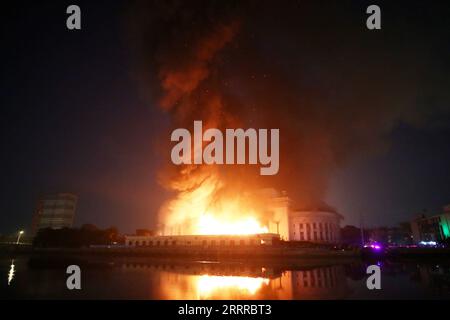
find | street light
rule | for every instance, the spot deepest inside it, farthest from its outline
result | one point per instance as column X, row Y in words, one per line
column 18, row 237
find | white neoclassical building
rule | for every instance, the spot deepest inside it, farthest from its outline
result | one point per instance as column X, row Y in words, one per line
column 315, row 226
column 319, row 223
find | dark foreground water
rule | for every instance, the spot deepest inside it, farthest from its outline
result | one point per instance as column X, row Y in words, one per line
column 143, row 278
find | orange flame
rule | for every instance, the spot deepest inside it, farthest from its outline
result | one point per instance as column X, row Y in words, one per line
column 208, row 285
column 205, row 210
column 208, row 224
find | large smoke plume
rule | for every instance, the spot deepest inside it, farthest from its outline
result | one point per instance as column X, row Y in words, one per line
column 334, row 89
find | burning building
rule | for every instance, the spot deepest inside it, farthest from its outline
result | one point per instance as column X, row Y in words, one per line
column 207, row 68
column 276, row 220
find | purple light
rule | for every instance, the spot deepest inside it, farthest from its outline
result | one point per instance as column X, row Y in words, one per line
column 374, row 246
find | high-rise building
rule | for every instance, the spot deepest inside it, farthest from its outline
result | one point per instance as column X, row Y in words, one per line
column 54, row 211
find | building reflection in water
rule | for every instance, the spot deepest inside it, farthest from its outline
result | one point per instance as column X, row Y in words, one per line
column 222, row 281
column 320, row 283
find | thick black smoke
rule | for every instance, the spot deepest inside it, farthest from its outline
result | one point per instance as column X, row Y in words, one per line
column 335, row 89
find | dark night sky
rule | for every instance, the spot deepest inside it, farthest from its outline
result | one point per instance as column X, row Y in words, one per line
column 73, row 120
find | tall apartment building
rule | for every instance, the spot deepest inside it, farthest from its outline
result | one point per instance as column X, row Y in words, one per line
column 54, row 211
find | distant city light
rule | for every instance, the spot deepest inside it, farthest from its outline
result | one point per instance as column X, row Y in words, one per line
column 428, row 243
column 374, row 246
column 11, row 272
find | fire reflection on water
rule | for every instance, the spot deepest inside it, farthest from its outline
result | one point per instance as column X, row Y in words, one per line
column 181, row 286
column 177, row 280
column 194, row 282
column 233, row 280
column 208, row 286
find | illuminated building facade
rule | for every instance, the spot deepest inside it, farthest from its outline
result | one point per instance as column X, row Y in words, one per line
column 435, row 228
column 54, row 211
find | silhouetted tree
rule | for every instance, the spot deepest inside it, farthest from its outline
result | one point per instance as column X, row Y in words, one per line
column 86, row 236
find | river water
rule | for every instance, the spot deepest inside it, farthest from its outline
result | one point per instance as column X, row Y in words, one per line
column 145, row 278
